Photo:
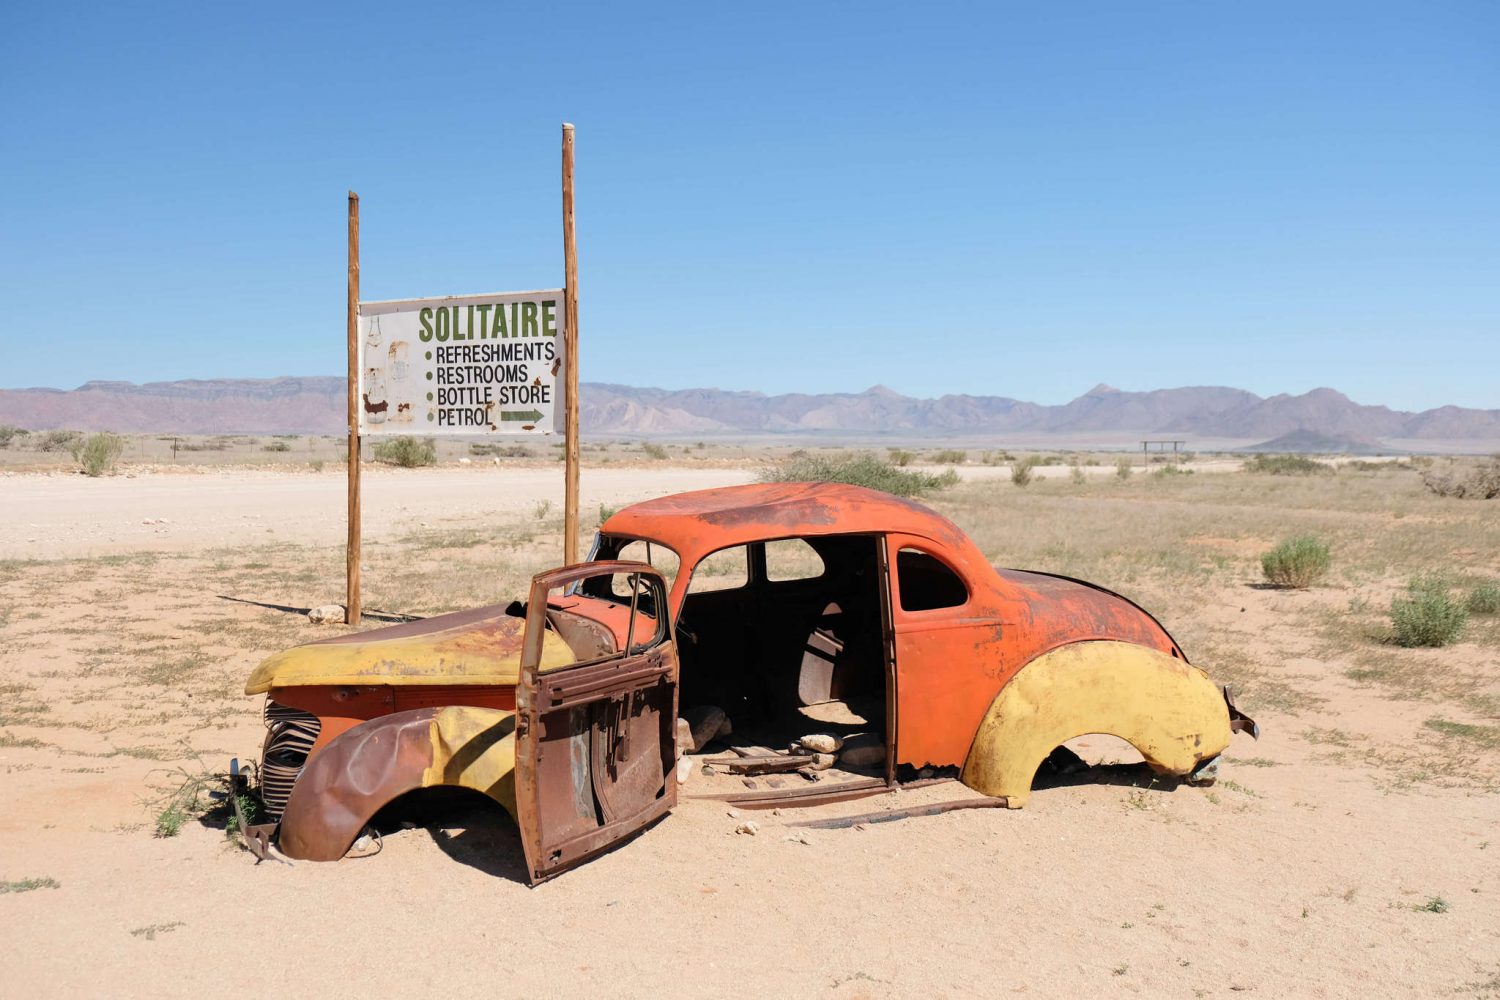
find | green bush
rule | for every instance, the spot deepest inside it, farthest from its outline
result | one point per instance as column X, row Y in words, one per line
column 1427, row 615
column 1287, row 465
column 9, row 433
column 653, row 450
column 277, row 446
column 1297, row 562
column 858, row 470
column 406, row 452
column 1020, row 471
column 900, row 457
column 950, row 456
column 1484, row 599
column 1124, row 468
column 98, row 453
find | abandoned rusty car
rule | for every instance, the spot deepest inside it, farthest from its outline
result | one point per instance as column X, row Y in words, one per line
column 761, row 613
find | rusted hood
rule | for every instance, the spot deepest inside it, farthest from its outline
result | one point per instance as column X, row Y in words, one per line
column 477, row 647
column 1064, row 610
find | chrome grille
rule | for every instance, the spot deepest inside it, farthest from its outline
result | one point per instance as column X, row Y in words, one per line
column 290, row 735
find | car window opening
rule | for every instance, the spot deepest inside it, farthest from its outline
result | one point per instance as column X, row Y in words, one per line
column 926, row 583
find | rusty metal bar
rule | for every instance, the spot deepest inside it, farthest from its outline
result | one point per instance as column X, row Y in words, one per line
column 891, row 815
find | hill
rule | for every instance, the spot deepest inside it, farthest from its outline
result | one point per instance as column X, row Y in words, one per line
column 315, row 405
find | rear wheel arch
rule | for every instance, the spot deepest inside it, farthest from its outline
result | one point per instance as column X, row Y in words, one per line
column 371, row 765
column 1163, row 706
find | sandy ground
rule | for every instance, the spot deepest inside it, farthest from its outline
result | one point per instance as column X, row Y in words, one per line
column 67, row 515
column 1304, row 873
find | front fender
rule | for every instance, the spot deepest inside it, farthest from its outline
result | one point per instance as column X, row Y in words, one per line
column 1163, row 706
column 361, row 770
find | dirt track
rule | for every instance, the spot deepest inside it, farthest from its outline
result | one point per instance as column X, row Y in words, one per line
column 1304, row 873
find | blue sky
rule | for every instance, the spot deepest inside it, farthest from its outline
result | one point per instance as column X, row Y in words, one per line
column 1018, row 200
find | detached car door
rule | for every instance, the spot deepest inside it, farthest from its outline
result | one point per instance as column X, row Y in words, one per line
column 595, row 748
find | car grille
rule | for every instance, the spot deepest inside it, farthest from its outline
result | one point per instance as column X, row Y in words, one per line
column 290, row 735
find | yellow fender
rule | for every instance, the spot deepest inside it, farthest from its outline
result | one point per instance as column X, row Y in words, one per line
column 1164, row 707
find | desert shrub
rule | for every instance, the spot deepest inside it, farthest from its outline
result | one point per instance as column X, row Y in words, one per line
column 997, row 457
column 9, row 433
column 1297, row 562
column 1360, row 465
column 1482, row 482
column 1427, row 614
column 56, row 440
column 98, row 453
column 950, row 456
column 277, row 446
column 1124, row 468
column 1287, row 465
column 1079, row 478
column 406, row 452
column 1484, row 599
column 900, row 457
column 858, row 470
column 1170, row 470
column 1020, row 471
column 653, row 450
column 502, row 450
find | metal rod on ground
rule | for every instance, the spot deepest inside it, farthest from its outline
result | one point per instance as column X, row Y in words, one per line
column 570, row 353
column 351, row 571
column 865, row 819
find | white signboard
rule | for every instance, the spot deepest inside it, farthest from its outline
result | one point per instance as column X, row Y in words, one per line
column 464, row 364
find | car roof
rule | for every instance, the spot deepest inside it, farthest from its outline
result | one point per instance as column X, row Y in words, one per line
column 703, row 521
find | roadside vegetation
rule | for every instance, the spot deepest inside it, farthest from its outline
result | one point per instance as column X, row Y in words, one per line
column 1479, row 482
column 1428, row 614
column 1297, row 563
column 98, row 454
column 861, row 469
column 1288, row 465
column 407, row 452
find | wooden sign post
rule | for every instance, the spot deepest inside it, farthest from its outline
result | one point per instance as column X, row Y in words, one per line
column 393, row 358
column 570, row 352
column 351, row 555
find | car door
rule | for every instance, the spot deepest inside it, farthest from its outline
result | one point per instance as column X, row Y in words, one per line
column 594, row 737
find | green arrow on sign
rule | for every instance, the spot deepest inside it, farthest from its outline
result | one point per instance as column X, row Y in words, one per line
column 526, row 416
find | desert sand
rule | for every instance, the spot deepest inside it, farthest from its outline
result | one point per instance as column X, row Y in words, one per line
column 1354, row 851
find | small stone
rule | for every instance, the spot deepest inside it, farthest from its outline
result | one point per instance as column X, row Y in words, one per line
column 821, row 743
column 749, row 828
column 733, row 814
column 684, row 770
column 326, row 614
column 798, row 838
column 821, row 762
column 684, row 737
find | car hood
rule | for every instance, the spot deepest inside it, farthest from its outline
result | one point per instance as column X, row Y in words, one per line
column 481, row 646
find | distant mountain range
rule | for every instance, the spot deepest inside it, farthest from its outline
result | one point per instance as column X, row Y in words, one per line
column 315, row 405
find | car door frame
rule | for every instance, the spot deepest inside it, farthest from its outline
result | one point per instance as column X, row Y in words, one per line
column 638, row 668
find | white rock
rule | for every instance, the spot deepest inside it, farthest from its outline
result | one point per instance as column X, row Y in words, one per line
column 820, row 762
column 684, row 769
column 326, row 614
column 750, row 828
column 821, row 743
